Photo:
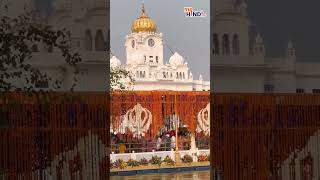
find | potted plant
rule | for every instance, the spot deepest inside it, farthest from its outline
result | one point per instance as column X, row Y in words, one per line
column 133, row 163
column 208, row 157
column 120, row 164
column 156, row 160
column 202, row 158
column 168, row 161
column 144, row 162
column 187, row 159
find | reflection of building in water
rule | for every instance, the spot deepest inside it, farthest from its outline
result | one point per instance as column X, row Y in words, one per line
column 145, row 61
column 240, row 63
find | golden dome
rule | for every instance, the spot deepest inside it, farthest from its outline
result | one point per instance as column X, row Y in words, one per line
column 144, row 23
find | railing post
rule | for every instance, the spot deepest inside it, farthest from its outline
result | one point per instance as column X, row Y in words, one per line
column 172, row 154
column 112, row 157
column 133, row 156
column 196, row 154
column 153, row 152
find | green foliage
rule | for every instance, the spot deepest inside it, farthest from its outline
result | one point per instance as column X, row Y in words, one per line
column 133, row 163
column 120, row 164
column 208, row 157
column 187, row 159
column 19, row 39
column 156, row 160
column 117, row 75
column 144, row 162
column 168, row 161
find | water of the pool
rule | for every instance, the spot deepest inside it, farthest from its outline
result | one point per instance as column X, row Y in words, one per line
column 194, row 175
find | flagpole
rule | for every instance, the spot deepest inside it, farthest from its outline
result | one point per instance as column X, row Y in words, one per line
column 176, row 128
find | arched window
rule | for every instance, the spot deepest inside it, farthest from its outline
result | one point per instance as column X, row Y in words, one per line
column 216, row 43
column 177, row 75
column 235, row 45
column 225, row 45
column 88, row 40
column 100, row 44
column 183, row 75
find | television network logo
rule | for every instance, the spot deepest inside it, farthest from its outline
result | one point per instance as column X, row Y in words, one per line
column 192, row 13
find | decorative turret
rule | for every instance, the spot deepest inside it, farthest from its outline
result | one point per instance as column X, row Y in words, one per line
column 176, row 59
column 243, row 8
column 291, row 56
column 231, row 28
column 259, row 49
column 115, row 62
column 200, row 77
column 291, row 51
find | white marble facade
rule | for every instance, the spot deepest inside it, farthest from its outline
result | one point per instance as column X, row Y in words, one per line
column 145, row 62
column 86, row 22
column 239, row 62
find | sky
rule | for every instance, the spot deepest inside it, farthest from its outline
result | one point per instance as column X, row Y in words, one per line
column 278, row 21
column 282, row 20
column 190, row 37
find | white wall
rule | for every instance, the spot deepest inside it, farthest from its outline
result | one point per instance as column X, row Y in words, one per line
column 237, row 80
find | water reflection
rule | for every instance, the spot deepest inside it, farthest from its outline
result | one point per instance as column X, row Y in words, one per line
column 195, row 175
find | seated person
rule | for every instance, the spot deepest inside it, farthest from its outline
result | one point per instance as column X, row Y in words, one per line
column 122, row 148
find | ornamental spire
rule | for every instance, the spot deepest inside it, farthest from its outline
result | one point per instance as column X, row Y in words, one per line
column 143, row 10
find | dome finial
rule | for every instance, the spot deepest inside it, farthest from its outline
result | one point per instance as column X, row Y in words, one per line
column 144, row 23
column 143, row 10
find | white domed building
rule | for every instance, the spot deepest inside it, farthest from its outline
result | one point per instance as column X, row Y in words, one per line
column 86, row 22
column 239, row 61
column 145, row 62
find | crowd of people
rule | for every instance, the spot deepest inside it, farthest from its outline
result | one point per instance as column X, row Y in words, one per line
column 163, row 142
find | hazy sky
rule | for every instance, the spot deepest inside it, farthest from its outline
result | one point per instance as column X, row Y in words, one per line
column 190, row 37
column 281, row 20
column 277, row 20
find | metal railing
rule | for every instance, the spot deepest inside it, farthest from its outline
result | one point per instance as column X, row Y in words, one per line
column 152, row 146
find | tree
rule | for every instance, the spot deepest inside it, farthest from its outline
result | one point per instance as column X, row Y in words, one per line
column 117, row 77
column 20, row 37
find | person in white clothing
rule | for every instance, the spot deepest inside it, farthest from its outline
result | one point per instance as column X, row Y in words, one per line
column 159, row 142
column 173, row 142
